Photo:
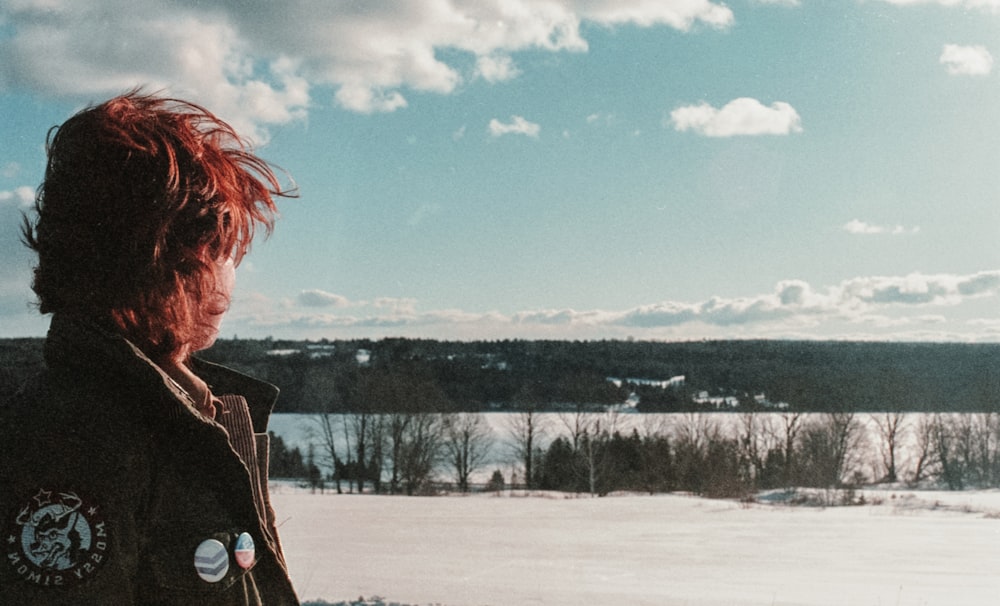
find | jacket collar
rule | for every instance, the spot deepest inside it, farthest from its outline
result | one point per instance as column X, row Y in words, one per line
column 260, row 395
column 84, row 346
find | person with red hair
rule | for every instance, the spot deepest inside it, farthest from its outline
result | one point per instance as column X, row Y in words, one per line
column 133, row 472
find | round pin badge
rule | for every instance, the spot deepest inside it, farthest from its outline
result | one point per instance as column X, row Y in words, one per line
column 211, row 560
column 244, row 550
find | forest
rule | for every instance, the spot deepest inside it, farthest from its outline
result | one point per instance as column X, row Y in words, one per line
column 506, row 375
column 398, row 415
column 718, row 456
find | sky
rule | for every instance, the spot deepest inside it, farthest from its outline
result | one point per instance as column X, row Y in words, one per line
column 564, row 169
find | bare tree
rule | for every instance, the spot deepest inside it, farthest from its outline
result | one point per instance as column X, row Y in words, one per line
column 375, row 465
column 891, row 428
column 830, row 448
column 851, row 444
column 576, row 424
column 321, row 392
column 791, row 425
column 397, row 425
column 328, row 429
column 369, row 396
column 984, row 456
column 406, row 432
column 525, row 428
column 963, row 431
column 753, row 435
column 989, row 448
column 779, row 447
column 349, row 468
column 592, row 445
column 419, row 452
column 924, row 435
column 692, row 435
column 467, row 443
column 357, row 426
column 974, row 448
column 946, row 451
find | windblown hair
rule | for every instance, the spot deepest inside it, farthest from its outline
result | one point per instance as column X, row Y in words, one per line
column 142, row 197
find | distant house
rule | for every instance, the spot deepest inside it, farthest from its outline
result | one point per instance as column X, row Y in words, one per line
column 314, row 351
column 321, row 350
column 730, row 402
column 661, row 383
column 718, row 402
column 631, row 404
column 495, row 362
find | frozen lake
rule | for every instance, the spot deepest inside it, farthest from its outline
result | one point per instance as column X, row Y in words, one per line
column 915, row 548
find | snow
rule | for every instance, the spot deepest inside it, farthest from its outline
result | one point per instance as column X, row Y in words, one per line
column 911, row 548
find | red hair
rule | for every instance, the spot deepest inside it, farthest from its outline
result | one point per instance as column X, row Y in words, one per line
column 142, row 197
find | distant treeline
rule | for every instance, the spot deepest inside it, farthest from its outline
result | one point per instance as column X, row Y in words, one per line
column 420, row 374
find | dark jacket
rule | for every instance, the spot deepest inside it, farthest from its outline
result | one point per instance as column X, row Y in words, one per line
column 115, row 490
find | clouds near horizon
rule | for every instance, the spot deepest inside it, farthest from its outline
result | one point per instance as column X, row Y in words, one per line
column 917, row 300
column 320, row 298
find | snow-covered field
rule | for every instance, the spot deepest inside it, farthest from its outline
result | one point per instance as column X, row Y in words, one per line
column 913, row 548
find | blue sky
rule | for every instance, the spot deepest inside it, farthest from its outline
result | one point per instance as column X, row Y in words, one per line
column 673, row 169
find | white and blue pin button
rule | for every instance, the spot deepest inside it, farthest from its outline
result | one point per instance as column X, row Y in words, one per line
column 211, row 559
column 244, row 550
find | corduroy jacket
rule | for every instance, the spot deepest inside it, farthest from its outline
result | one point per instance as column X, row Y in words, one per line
column 115, row 490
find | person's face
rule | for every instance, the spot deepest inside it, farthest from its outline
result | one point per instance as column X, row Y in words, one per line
column 217, row 304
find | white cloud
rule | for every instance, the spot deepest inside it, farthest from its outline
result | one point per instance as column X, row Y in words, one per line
column 983, row 283
column 743, row 116
column 917, row 289
column 261, row 66
column 362, row 98
column 320, row 298
column 602, row 119
column 88, row 50
column 396, row 306
column 517, row 126
column 858, row 227
column 857, row 299
column 966, row 60
column 22, row 196
column 10, row 170
column 564, row 317
column 496, row 68
column 681, row 15
column 987, row 5
column 914, row 306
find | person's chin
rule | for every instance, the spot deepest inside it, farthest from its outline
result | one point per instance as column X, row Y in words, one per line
column 206, row 342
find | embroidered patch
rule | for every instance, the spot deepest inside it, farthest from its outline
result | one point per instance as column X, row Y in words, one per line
column 56, row 539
